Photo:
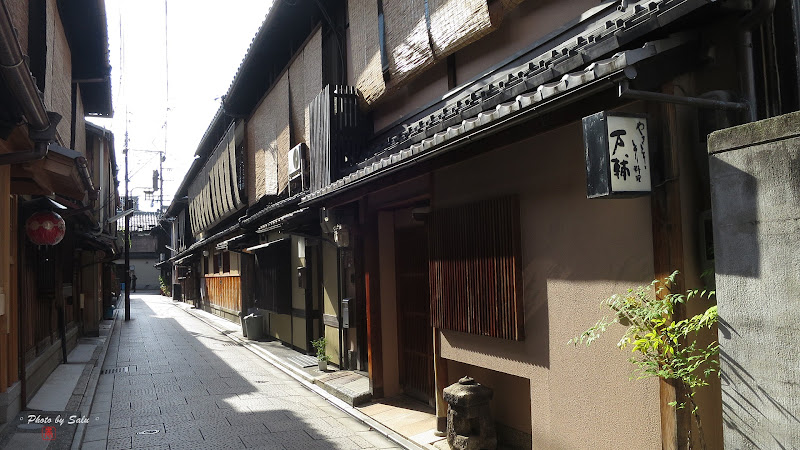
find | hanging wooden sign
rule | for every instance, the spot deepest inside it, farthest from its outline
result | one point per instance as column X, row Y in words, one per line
column 617, row 148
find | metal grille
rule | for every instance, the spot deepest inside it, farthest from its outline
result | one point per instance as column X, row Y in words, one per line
column 475, row 270
column 114, row 370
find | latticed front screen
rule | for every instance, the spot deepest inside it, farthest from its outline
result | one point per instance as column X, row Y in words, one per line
column 475, row 269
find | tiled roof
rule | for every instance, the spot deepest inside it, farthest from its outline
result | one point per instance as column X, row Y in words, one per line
column 140, row 221
column 428, row 140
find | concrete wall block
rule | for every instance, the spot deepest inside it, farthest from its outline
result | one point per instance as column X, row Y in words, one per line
column 755, row 188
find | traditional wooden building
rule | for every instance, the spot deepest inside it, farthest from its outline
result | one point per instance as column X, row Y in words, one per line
column 55, row 71
column 427, row 187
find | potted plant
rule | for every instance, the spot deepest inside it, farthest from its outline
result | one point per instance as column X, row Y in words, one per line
column 322, row 358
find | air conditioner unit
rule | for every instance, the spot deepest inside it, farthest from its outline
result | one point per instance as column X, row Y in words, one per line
column 296, row 160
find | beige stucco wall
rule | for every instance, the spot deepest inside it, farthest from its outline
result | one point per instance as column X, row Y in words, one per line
column 429, row 85
column 526, row 24
column 575, row 252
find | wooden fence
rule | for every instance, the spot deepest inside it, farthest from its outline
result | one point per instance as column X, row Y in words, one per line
column 224, row 291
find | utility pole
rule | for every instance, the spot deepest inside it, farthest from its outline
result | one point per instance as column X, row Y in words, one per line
column 127, row 237
column 161, row 158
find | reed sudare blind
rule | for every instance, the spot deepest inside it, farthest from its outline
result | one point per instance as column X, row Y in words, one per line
column 475, row 271
column 417, row 34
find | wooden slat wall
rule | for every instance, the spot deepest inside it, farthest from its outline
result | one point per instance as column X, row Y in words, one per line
column 273, row 283
column 475, row 271
column 8, row 316
column 224, row 291
column 337, row 134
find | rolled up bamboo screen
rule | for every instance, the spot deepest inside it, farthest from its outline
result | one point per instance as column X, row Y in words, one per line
column 407, row 42
column 366, row 51
column 312, row 54
column 456, row 23
column 414, row 38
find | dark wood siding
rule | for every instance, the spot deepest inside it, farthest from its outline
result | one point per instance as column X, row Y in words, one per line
column 274, row 277
column 475, row 272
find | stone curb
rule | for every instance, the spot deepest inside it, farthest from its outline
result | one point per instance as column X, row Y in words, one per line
column 91, row 387
column 308, row 384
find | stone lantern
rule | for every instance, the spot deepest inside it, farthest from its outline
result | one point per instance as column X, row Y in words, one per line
column 469, row 420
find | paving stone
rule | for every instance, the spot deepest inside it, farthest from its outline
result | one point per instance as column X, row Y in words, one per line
column 115, row 444
column 201, row 394
column 223, row 443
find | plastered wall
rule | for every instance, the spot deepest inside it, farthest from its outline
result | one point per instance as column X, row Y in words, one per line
column 575, row 252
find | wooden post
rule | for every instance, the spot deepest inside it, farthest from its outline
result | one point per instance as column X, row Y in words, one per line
column 5, row 248
column 668, row 257
column 373, row 306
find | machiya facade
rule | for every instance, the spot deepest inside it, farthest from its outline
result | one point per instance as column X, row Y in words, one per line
column 420, row 183
column 55, row 74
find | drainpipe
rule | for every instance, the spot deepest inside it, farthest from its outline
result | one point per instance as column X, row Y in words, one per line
column 753, row 19
column 83, row 170
column 18, row 78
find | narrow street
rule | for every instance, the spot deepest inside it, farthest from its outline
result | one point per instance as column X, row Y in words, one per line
column 174, row 382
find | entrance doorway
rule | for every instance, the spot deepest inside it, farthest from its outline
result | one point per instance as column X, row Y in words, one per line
column 415, row 334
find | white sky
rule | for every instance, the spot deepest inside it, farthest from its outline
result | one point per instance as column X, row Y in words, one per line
column 207, row 40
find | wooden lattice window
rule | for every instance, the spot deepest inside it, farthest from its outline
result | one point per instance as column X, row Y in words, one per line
column 475, row 268
column 273, row 281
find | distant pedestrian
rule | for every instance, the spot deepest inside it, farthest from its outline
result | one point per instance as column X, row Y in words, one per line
column 133, row 282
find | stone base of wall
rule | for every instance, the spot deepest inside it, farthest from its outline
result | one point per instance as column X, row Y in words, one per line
column 225, row 313
column 9, row 402
column 37, row 371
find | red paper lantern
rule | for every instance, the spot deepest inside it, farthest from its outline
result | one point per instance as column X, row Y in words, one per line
column 45, row 228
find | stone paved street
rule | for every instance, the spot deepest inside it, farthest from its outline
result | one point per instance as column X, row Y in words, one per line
column 189, row 387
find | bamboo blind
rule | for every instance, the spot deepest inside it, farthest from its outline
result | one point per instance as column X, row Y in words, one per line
column 305, row 82
column 407, row 41
column 475, row 271
column 456, row 23
column 366, row 52
column 279, row 107
column 312, row 54
column 297, row 96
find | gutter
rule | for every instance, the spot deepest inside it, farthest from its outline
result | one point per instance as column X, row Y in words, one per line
column 83, row 170
column 18, row 77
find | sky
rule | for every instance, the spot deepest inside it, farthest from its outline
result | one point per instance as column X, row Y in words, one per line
column 167, row 81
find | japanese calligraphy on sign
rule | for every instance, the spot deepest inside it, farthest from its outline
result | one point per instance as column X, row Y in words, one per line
column 617, row 149
column 628, row 154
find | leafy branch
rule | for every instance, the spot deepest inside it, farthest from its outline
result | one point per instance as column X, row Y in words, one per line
column 662, row 347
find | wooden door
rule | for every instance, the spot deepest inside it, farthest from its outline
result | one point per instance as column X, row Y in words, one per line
column 413, row 313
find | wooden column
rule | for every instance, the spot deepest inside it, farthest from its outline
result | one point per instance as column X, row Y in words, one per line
column 668, row 257
column 373, row 305
column 8, row 355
